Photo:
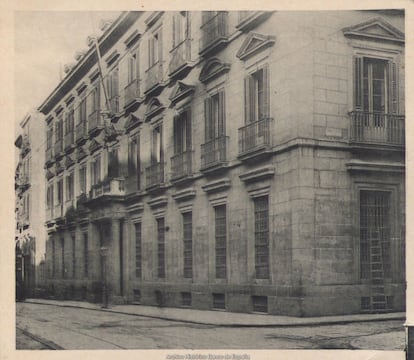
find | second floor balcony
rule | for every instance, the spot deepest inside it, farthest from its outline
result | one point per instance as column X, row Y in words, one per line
column 110, row 187
column 154, row 175
column 95, row 121
column 131, row 92
column 214, row 153
column 180, row 57
column 154, row 76
column 58, row 147
column 181, row 165
column 255, row 138
column 214, row 32
column 377, row 128
column 69, row 139
column 81, row 132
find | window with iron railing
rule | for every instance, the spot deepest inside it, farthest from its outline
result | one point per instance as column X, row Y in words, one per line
column 261, row 236
column 161, row 248
column 138, row 250
column 155, row 172
column 214, row 28
column 154, row 73
column 58, row 135
column 73, row 256
column 85, row 255
column 181, row 162
column 132, row 90
column 112, row 86
column 69, row 127
column 134, row 160
column 188, row 244
column 181, row 46
column 82, row 179
column 81, row 124
column 69, row 187
column 220, row 223
column 95, row 170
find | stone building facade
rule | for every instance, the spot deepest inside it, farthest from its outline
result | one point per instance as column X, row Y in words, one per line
column 30, row 231
column 247, row 161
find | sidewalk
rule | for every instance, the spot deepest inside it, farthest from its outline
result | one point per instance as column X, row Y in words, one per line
column 222, row 318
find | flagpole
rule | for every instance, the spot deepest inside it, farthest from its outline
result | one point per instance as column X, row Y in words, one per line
column 108, row 105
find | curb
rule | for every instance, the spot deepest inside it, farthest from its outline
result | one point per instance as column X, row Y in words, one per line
column 321, row 322
column 50, row 344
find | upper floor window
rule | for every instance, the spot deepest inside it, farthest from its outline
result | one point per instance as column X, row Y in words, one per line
column 112, row 85
column 133, row 69
column 113, row 163
column 256, row 92
column 154, row 48
column 60, row 191
column 69, row 123
column 82, row 111
column 180, row 27
column 182, row 132
column 82, row 179
column 49, row 137
column 95, row 98
column 69, row 186
column 96, row 170
column 157, row 153
column 49, row 196
column 214, row 112
column 59, row 129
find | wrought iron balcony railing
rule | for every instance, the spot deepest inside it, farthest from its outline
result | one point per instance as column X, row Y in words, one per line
column 95, row 120
column 131, row 91
column 69, row 139
column 154, row 174
column 214, row 29
column 377, row 128
column 153, row 75
column 180, row 55
column 255, row 135
column 114, row 187
column 81, row 130
column 214, row 152
column 181, row 165
column 58, row 146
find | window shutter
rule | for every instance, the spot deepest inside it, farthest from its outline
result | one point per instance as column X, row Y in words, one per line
column 207, row 118
column 222, row 114
column 176, row 132
column 187, row 115
column 247, row 99
column 266, row 92
column 393, row 87
column 358, row 81
column 252, row 99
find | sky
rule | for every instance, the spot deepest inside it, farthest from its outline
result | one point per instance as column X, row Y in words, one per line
column 44, row 42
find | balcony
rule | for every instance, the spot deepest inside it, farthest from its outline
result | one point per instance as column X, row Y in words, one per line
column 377, row 128
column 181, row 166
column 114, row 104
column 154, row 77
column 214, row 154
column 155, row 175
column 214, row 33
column 81, row 132
column 132, row 93
column 95, row 121
column 58, row 147
column 112, row 187
column 69, row 140
column 180, row 58
column 255, row 139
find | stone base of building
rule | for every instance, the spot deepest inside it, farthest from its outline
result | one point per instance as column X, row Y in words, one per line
column 303, row 301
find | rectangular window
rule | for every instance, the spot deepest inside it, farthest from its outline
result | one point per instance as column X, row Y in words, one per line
column 49, row 137
column 134, row 163
column 219, row 301
column 73, row 256
column 49, row 196
column 113, row 163
column 69, row 121
column 85, row 255
column 112, row 86
column 96, row 170
column 63, row 257
column 154, row 48
column 261, row 237
column 182, row 132
column 186, row 299
column 82, row 111
column 82, row 179
column 69, row 187
column 53, row 258
column 59, row 129
column 220, row 241
column 180, row 28
column 256, row 92
column 95, row 98
column 161, row 247
column 214, row 113
column 375, row 249
column 60, row 191
column 157, row 148
column 133, row 69
column 259, row 304
column 138, row 251
column 188, row 244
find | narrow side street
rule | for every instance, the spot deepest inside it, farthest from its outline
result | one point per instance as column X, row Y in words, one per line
column 72, row 328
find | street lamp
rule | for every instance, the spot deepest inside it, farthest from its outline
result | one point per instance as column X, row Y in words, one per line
column 104, row 254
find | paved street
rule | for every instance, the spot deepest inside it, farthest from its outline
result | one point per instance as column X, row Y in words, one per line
column 72, row 328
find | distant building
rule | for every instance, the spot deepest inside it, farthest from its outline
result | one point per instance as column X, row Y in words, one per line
column 247, row 161
column 30, row 232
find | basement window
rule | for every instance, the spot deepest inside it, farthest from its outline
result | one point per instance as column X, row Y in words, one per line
column 219, row 301
column 259, row 304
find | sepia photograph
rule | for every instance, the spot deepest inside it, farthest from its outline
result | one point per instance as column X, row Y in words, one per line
column 210, row 180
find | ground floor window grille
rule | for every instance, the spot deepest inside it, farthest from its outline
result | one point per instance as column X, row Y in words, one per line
column 261, row 236
column 137, row 296
column 85, row 255
column 259, row 304
column 188, row 244
column 219, row 301
column 161, row 247
column 63, row 257
column 374, row 230
column 220, row 246
column 138, row 250
column 186, row 299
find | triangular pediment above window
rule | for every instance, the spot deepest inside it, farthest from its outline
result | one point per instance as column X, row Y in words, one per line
column 154, row 107
column 131, row 122
column 181, row 91
column 213, row 68
column 254, row 43
column 375, row 29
